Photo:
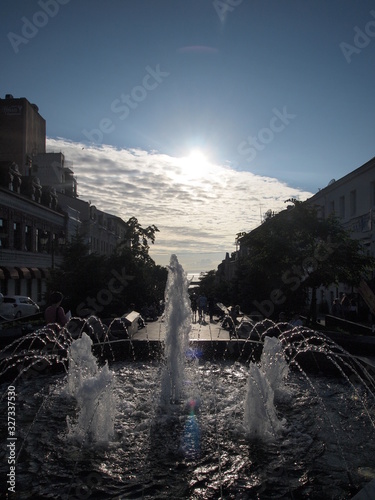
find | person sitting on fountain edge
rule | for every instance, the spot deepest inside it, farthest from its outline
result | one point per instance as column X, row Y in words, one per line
column 230, row 321
column 54, row 312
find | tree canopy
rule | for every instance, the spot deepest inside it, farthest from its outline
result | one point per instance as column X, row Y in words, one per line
column 105, row 286
column 293, row 253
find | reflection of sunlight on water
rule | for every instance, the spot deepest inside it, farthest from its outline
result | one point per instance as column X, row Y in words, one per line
column 201, row 448
column 191, row 435
column 195, row 444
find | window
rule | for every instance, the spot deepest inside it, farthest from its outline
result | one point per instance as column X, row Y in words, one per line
column 36, row 240
column 17, row 237
column 28, row 238
column 372, row 193
column 342, row 207
column 3, row 233
column 353, row 202
column 9, row 300
column 331, row 207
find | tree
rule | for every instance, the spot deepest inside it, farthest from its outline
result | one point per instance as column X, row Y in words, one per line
column 146, row 281
column 207, row 284
column 295, row 252
column 105, row 286
column 80, row 276
column 138, row 239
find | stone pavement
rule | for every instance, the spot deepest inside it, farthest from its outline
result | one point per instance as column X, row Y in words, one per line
column 208, row 340
column 205, row 330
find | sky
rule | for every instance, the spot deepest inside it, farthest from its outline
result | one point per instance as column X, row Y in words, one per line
column 197, row 116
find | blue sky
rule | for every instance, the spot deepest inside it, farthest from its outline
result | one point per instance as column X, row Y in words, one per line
column 279, row 90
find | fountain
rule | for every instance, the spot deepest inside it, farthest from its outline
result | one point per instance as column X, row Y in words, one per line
column 92, row 387
column 181, row 426
column 266, row 383
column 178, row 319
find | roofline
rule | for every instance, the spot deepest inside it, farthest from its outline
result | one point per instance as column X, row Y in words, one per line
column 366, row 166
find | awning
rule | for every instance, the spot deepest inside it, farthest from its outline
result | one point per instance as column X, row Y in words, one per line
column 15, row 273
column 10, row 273
column 24, row 272
column 46, row 273
column 36, row 273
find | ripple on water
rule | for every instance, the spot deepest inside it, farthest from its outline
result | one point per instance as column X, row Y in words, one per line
column 196, row 450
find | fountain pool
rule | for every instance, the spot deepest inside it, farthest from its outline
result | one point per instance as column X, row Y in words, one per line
column 199, row 448
column 204, row 440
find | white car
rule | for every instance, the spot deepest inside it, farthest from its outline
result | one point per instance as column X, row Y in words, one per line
column 17, row 306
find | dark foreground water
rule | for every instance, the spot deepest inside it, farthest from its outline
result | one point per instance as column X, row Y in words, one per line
column 196, row 449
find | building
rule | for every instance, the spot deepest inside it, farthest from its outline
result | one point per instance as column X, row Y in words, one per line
column 352, row 199
column 22, row 132
column 31, row 236
column 227, row 268
column 40, row 210
column 101, row 231
column 54, row 172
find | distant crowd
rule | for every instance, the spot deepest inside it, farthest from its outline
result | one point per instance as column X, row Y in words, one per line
column 345, row 308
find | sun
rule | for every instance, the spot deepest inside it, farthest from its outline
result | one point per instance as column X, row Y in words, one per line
column 196, row 163
column 198, row 157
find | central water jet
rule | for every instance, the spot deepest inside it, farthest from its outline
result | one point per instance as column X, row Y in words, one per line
column 177, row 329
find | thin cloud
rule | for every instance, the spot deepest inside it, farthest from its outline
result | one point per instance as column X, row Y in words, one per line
column 198, row 215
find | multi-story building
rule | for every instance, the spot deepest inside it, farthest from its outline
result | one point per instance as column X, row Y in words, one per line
column 31, row 235
column 101, row 231
column 22, row 132
column 55, row 172
column 39, row 207
column 352, row 199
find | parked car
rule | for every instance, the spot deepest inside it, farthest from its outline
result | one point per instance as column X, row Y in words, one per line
column 17, row 306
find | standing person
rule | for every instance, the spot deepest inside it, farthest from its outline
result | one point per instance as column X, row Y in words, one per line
column 345, row 305
column 54, row 312
column 202, row 306
column 336, row 308
column 194, row 305
column 211, row 308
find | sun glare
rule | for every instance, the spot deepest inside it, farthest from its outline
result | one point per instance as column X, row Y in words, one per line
column 196, row 163
column 197, row 156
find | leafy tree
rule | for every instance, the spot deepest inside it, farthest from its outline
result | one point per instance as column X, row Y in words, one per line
column 138, row 239
column 207, row 284
column 295, row 252
column 106, row 286
column 144, row 281
column 80, row 276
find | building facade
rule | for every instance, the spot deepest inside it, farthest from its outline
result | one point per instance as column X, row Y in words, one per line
column 22, row 132
column 39, row 206
column 30, row 244
column 352, row 199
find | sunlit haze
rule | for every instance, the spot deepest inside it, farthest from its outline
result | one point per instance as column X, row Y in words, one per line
column 198, row 217
column 197, row 116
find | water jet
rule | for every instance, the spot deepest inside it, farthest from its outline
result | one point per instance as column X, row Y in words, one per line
column 181, row 422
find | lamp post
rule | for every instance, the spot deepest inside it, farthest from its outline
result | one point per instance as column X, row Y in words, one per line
column 55, row 244
column 60, row 241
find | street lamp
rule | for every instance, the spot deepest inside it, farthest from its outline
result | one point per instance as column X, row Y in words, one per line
column 55, row 244
column 44, row 239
